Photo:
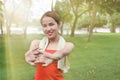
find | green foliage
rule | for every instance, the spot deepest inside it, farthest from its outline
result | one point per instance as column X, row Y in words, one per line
column 63, row 8
column 110, row 6
column 1, row 3
column 100, row 21
column 115, row 18
column 84, row 21
column 76, row 3
column 1, row 12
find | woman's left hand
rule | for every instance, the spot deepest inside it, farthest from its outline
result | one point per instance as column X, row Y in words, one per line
column 45, row 61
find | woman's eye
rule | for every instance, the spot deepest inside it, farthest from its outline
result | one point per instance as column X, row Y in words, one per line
column 51, row 24
column 44, row 25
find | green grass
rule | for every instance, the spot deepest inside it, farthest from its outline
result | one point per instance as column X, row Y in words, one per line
column 3, row 66
column 98, row 60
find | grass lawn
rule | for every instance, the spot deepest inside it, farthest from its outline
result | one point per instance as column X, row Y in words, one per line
column 3, row 66
column 98, row 60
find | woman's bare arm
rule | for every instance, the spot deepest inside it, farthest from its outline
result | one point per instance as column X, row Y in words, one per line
column 61, row 53
column 28, row 55
column 34, row 45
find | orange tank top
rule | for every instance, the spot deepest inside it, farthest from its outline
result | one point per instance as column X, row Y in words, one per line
column 50, row 72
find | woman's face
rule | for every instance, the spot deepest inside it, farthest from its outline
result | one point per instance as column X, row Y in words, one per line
column 50, row 27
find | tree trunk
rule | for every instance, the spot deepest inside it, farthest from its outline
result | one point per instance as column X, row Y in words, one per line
column 112, row 28
column 74, row 27
column 8, row 29
column 61, row 29
column 1, row 28
column 91, row 27
column 93, row 19
column 25, row 32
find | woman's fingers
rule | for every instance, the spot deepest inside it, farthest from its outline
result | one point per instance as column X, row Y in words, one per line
column 47, row 62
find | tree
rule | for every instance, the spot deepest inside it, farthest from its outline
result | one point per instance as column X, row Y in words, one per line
column 78, row 8
column 63, row 9
column 111, row 7
column 102, row 6
column 17, row 13
column 115, row 20
column 92, row 23
column 1, row 17
column 28, row 4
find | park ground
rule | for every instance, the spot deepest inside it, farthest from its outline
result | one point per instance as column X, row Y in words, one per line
column 97, row 60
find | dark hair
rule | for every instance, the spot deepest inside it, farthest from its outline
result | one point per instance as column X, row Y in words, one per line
column 53, row 15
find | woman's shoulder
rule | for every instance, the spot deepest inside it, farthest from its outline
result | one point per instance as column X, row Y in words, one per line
column 34, row 44
column 35, row 41
column 69, row 44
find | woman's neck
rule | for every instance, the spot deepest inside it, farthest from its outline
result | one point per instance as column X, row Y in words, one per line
column 53, row 43
column 54, row 40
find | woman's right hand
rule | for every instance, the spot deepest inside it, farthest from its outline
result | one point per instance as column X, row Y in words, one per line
column 43, row 60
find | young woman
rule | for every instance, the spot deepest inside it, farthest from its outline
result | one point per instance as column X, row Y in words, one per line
column 52, row 50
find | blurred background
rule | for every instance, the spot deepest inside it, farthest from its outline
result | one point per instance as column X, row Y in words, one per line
column 78, row 16
column 92, row 25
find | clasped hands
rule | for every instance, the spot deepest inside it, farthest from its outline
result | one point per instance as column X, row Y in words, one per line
column 38, row 56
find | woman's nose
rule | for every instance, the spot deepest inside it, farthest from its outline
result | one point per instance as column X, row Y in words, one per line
column 48, row 28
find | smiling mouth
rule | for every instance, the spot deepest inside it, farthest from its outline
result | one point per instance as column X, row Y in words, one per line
column 50, row 33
